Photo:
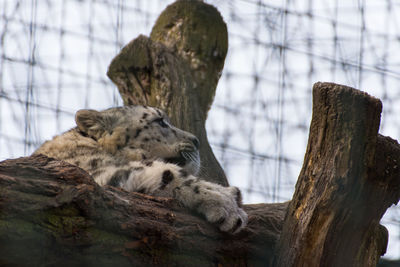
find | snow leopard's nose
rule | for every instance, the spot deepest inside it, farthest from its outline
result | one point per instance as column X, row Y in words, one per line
column 195, row 141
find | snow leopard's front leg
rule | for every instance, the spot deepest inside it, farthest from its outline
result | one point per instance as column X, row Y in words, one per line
column 220, row 205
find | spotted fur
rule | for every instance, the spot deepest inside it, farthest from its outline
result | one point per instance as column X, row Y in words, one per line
column 137, row 149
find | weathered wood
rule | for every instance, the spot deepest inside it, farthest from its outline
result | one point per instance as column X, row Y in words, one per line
column 177, row 69
column 53, row 213
column 350, row 176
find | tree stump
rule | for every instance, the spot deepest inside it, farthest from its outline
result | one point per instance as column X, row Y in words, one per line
column 350, row 176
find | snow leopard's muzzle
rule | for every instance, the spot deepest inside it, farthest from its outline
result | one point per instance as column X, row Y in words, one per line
column 188, row 155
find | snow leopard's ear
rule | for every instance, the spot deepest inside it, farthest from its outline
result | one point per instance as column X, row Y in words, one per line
column 100, row 126
column 90, row 122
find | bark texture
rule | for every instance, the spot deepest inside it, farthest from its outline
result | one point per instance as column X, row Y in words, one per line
column 350, row 176
column 177, row 69
column 54, row 214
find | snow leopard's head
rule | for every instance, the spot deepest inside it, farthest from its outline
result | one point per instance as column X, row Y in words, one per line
column 140, row 133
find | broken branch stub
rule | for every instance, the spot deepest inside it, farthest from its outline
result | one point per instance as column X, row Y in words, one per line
column 177, row 69
column 343, row 190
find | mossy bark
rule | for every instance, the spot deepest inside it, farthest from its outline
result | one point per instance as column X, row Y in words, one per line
column 52, row 213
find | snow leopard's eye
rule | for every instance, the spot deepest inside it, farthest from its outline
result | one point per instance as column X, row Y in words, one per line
column 161, row 122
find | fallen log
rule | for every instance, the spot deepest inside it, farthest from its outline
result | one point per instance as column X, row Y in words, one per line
column 53, row 213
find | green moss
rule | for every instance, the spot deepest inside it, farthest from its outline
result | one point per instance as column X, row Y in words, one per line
column 107, row 238
column 16, row 227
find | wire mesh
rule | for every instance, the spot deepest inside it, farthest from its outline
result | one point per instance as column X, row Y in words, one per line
column 54, row 56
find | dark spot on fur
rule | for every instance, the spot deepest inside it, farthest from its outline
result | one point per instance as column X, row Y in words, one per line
column 188, row 182
column 158, row 140
column 77, row 163
column 140, row 121
column 167, row 177
column 174, row 132
column 137, row 133
column 138, row 169
column 196, row 189
column 146, row 139
column 145, row 116
column 119, row 177
column 183, row 173
column 142, row 191
column 146, row 127
column 144, row 157
column 159, row 113
column 146, row 107
column 93, row 163
column 83, row 133
column 148, row 163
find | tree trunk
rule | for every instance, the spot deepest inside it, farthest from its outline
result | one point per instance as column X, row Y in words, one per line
column 350, row 177
column 177, row 69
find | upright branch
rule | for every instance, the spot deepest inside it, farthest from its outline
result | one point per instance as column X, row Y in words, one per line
column 177, row 69
column 350, row 176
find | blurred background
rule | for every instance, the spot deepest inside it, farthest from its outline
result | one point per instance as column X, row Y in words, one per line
column 55, row 54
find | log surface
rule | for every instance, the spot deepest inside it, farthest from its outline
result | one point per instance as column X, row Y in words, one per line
column 53, row 213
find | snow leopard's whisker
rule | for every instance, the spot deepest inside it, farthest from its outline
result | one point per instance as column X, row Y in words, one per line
column 204, row 172
column 189, row 156
column 194, row 159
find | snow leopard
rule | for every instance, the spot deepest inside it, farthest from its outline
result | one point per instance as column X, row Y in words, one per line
column 137, row 149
